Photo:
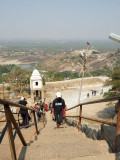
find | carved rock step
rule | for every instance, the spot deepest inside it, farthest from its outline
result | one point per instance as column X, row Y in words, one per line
column 49, row 131
column 52, row 143
column 27, row 133
column 5, row 152
column 61, row 150
column 89, row 157
column 60, row 138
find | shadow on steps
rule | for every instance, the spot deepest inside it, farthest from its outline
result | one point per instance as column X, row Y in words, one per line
column 24, row 149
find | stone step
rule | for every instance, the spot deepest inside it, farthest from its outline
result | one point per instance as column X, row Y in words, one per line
column 111, row 156
column 59, row 131
column 70, row 141
column 64, row 143
column 27, row 133
column 62, row 150
column 5, row 152
column 63, row 138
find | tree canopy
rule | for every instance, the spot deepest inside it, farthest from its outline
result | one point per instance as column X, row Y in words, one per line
column 19, row 78
column 4, row 70
column 114, row 81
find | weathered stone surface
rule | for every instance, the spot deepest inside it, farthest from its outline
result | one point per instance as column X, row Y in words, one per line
column 115, row 118
column 94, row 135
column 86, row 131
column 108, row 134
column 90, row 133
column 99, row 135
column 63, row 144
column 91, row 130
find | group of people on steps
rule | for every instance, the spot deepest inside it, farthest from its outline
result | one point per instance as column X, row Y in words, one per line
column 58, row 110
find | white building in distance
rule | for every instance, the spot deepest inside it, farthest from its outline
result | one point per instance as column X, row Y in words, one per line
column 36, row 87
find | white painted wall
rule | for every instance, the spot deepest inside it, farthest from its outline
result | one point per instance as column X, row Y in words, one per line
column 39, row 86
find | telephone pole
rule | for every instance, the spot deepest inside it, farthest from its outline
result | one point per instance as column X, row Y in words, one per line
column 3, row 90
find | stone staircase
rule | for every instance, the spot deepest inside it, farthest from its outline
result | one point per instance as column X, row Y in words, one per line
column 64, row 143
column 28, row 134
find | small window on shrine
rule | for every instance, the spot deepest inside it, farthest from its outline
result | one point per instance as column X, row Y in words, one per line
column 36, row 83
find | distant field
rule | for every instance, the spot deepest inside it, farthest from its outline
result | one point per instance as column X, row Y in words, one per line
column 28, row 67
column 102, row 45
column 62, row 55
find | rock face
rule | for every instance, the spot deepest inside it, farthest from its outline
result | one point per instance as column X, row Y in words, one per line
column 108, row 133
column 92, row 131
column 95, row 132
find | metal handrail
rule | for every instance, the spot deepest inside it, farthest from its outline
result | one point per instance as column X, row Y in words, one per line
column 12, row 112
column 3, row 101
column 117, row 125
column 97, row 101
column 6, row 121
column 11, row 120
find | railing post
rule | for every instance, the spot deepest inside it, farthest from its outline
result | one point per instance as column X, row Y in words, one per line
column 80, row 117
column 10, row 133
column 43, row 119
column 18, row 120
column 35, row 122
column 117, row 135
column 27, row 118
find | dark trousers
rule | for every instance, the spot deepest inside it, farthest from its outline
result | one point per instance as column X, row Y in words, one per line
column 24, row 118
column 59, row 117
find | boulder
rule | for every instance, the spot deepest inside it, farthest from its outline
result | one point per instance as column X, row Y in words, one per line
column 94, row 135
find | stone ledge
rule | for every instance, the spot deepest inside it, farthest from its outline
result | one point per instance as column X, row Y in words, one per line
column 95, row 131
column 108, row 134
column 92, row 131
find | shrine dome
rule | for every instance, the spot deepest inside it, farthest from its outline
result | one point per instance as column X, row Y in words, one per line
column 35, row 75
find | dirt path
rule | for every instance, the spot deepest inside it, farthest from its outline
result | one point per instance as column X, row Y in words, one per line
column 71, row 94
column 101, row 110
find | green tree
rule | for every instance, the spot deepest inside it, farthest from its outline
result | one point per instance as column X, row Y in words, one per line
column 4, row 70
column 114, row 81
column 19, row 79
column 49, row 76
column 8, row 88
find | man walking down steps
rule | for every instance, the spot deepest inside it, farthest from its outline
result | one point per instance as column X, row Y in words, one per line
column 57, row 109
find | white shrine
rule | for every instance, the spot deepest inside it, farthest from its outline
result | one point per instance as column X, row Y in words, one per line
column 36, row 87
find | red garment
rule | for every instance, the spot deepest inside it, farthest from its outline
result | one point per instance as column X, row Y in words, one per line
column 64, row 110
column 46, row 107
column 35, row 106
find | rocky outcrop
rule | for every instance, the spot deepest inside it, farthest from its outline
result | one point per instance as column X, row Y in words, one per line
column 96, row 132
column 108, row 134
column 92, row 131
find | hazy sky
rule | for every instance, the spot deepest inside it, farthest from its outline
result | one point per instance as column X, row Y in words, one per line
column 59, row 19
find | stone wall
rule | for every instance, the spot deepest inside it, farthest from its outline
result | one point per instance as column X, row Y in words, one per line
column 74, row 82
